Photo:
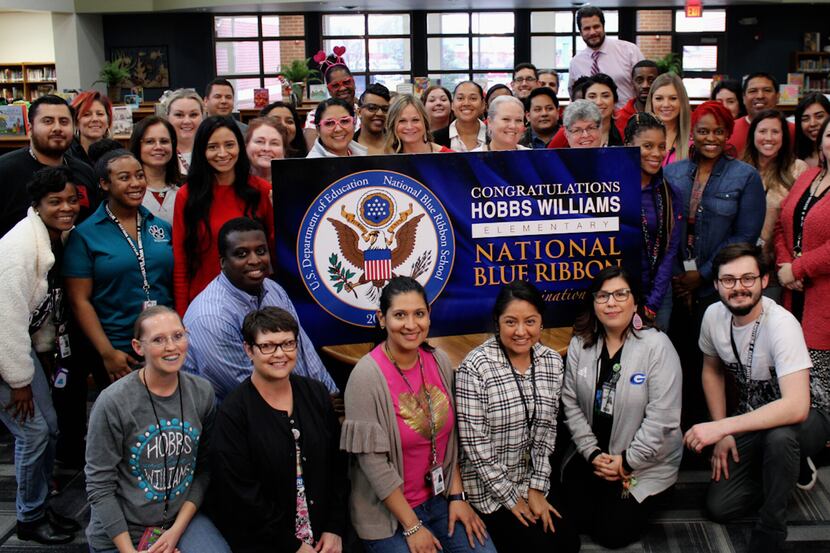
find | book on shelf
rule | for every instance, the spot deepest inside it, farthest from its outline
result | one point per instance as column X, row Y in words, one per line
column 812, row 42
column 13, row 120
column 788, row 94
column 795, row 78
column 122, row 120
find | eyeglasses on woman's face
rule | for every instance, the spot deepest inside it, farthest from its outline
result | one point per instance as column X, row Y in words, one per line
column 620, row 295
column 269, row 348
column 345, row 122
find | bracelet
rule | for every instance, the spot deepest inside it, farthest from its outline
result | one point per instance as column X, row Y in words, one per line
column 411, row 531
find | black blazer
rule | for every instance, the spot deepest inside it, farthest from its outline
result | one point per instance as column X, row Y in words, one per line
column 253, row 489
column 442, row 137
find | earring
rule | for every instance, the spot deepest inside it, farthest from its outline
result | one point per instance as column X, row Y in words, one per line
column 637, row 322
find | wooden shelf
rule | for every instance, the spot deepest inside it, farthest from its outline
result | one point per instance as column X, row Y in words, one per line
column 26, row 88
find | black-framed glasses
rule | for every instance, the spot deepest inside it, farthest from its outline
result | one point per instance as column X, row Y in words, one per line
column 373, row 108
column 747, row 281
column 619, row 295
column 269, row 348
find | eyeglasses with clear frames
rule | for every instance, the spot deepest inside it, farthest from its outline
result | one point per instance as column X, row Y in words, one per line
column 269, row 348
column 586, row 130
column 529, row 80
column 345, row 122
column 747, row 281
column 177, row 338
column 619, row 295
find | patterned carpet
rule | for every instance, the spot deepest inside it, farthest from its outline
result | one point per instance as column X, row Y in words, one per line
column 678, row 526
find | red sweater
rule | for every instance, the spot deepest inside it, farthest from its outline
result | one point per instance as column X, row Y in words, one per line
column 814, row 263
column 226, row 206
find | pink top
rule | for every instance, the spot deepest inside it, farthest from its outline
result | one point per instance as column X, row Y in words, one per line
column 413, row 420
column 616, row 59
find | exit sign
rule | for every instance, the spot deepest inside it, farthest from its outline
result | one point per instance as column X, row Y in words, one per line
column 694, row 8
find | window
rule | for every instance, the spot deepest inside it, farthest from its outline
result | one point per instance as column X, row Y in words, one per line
column 250, row 50
column 696, row 40
column 378, row 46
column 472, row 45
column 554, row 40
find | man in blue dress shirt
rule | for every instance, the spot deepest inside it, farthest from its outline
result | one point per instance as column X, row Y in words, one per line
column 214, row 318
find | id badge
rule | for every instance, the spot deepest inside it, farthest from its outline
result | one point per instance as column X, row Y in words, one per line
column 607, row 403
column 148, row 304
column 63, row 346
column 690, row 265
column 436, row 476
column 150, row 536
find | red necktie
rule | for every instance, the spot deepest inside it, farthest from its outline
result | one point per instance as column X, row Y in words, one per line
column 595, row 64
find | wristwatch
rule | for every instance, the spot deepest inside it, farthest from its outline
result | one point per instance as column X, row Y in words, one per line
column 457, row 497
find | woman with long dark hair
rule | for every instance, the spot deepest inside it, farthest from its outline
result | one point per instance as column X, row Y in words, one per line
column 407, row 493
column 811, row 112
column 467, row 131
column 437, row 101
column 660, row 211
column 286, row 114
column 219, row 188
column 621, row 399
column 154, row 144
column 507, row 397
column 730, row 95
column 335, row 123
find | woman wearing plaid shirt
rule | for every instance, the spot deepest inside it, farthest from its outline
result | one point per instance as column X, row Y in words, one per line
column 507, row 399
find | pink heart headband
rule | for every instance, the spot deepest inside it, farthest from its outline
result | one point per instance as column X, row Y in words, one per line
column 328, row 62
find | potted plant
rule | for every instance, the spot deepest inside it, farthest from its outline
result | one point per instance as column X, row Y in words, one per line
column 113, row 73
column 300, row 74
column 670, row 63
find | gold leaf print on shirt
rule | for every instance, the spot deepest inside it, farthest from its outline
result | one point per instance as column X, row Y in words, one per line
column 414, row 410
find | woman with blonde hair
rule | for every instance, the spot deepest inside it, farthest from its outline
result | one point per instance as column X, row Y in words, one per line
column 669, row 101
column 185, row 109
column 407, row 128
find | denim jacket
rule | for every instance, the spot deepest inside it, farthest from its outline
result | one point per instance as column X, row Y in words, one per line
column 731, row 210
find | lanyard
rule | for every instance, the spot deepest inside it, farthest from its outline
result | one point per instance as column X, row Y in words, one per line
column 616, row 370
column 428, row 410
column 751, row 350
column 529, row 418
column 168, row 478
column 804, row 210
column 137, row 250
column 183, row 161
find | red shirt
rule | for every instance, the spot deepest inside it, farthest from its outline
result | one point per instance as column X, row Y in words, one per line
column 741, row 130
column 623, row 115
column 226, row 206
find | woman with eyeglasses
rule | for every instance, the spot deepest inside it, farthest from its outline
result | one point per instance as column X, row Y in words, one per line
column 153, row 143
column 407, row 128
column 146, row 458
column 335, row 127
column 723, row 202
column 621, row 400
column 278, row 477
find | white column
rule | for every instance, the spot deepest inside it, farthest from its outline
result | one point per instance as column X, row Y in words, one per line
column 79, row 50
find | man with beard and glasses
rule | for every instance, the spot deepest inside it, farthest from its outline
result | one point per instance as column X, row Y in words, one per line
column 51, row 121
column 373, row 106
column 755, row 459
column 214, row 318
column 613, row 57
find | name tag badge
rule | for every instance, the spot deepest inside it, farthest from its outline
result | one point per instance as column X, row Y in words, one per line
column 436, row 476
column 689, row 265
column 148, row 304
column 63, row 346
column 60, row 378
column 606, row 404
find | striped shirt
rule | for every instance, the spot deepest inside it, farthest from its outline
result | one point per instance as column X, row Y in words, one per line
column 492, row 425
column 214, row 322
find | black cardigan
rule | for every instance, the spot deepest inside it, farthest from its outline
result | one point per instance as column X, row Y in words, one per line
column 253, row 490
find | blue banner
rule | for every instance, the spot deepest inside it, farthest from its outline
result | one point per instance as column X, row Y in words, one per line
column 461, row 224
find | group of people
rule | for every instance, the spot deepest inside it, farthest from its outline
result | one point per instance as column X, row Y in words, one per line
column 132, row 264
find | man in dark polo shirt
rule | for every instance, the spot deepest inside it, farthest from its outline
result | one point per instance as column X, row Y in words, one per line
column 52, row 130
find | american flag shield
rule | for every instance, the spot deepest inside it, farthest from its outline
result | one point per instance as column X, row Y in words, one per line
column 377, row 264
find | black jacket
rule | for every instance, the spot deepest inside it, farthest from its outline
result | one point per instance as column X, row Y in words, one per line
column 252, row 498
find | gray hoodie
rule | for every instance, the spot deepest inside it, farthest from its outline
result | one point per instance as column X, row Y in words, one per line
column 646, row 421
column 125, row 456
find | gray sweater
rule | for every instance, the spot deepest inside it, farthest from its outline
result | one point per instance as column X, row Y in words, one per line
column 646, row 408
column 125, row 456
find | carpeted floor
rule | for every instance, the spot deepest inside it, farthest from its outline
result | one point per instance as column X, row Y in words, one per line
column 678, row 526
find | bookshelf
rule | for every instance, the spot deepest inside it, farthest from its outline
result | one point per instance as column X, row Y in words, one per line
column 27, row 80
column 816, row 69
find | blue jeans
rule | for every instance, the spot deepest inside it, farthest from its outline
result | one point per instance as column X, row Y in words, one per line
column 201, row 536
column 434, row 513
column 35, row 441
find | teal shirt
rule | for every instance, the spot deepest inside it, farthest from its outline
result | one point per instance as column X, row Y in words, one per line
column 97, row 249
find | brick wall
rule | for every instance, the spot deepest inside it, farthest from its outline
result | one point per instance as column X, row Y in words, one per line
column 654, row 47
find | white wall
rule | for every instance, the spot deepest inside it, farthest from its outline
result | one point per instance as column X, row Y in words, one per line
column 79, row 50
column 26, row 36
